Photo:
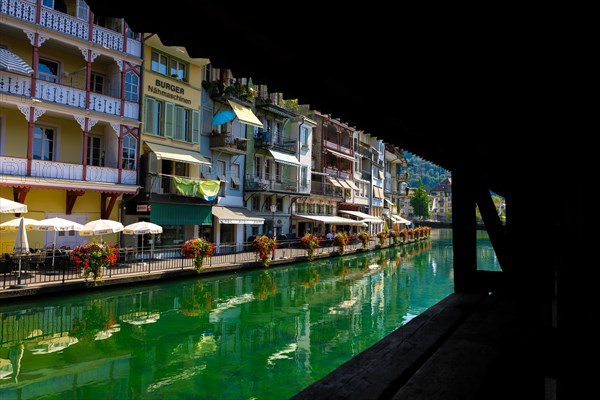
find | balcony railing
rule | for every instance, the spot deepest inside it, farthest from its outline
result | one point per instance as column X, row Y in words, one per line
column 341, row 148
column 260, row 183
column 325, row 189
column 276, row 141
column 69, row 25
column 19, row 85
column 335, row 172
column 55, row 170
column 228, row 143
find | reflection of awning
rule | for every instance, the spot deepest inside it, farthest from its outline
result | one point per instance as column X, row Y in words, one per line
column 245, row 115
column 236, row 215
column 284, row 158
column 176, row 154
column 330, row 219
column 400, row 220
column 338, row 154
column 366, row 217
column 352, row 184
column 11, row 62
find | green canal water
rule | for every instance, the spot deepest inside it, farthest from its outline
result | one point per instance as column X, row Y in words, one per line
column 259, row 334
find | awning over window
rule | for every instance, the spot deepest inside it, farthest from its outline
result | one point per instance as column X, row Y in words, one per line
column 365, row 217
column 244, row 114
column 342, row 155
column 236, row 215
column 180, row 214
column 334, row 182
column 330, row 219
column 389, row 202
column 345, row 184
column 175, row 154
column 378, row 192
column 352, row 184
column 400, row 220
column 11, row 62
column 284, row 158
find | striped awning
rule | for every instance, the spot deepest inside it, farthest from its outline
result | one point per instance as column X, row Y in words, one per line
column 11, row 62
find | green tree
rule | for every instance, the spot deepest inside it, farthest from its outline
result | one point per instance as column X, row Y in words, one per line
column 420, row 201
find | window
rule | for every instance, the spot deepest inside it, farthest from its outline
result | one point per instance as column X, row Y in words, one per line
column 47, row 70
column 205, row 170
column 132, row 87
column 256, row 203
column 159, row 63
column 128, row 156
column 43, row 143
column 48, row 3
column 83, row 11
column 278, row 172
column 207, row 72
column 169, row 66
column 279, row 203
column 257, row 164
column 222, row 177
column 304, row 176
column 267, row 168
column 168, row 120
column 177, row 69
column 96, row 83
column 235, row 176
column 304, row 137
column 95, row 153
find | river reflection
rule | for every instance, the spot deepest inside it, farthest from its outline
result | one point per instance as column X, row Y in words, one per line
column 263, row 334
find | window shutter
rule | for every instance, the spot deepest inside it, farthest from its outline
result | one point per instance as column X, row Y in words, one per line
column 169, row 119
column 195, row 126
column 150, row 117
column 180, row 127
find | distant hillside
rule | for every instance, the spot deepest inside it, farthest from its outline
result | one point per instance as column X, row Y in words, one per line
column 429, row 173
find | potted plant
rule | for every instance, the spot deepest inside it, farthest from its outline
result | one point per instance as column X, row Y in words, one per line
column 364, row 238
column 264, row 247
column 92, row 257
column 340, row 240
column 198, row 249
column 310, row 243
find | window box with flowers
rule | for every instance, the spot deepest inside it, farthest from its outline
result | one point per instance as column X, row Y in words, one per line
column 310, row 243
column 364, row 238
column 90, row 258
column 264, row 247
column 198, row 249
column 382, row 236
column 341, row 239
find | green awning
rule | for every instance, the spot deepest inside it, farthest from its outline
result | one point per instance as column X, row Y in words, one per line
column 180, row 214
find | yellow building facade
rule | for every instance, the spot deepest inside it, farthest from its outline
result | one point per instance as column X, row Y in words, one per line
column 69, row 115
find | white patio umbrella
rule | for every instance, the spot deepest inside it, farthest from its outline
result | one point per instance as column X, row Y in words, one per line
column 55, row 224
column 142, row 228
column 9, row 206
column 21, row 246
column 13, row 224
column 100, row 227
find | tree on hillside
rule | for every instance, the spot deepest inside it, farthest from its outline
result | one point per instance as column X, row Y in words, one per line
column 420, row 201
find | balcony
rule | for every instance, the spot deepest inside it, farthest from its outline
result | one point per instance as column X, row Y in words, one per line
column 228, row 144
column 325, row 189
column 54, row 171
column 366, row 153
column 338, row 147
column 69, row 25
column 18, row 85
column 332, row 171
column 267, row 139
column 261, row 184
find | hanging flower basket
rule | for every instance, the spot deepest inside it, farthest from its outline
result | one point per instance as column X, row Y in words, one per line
column 341, row 239
column 264, row 247
column 364, row 238
column 382, row 236
column 310, row 243
column 91, row 257
column 198, row 249
column 394, row 235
